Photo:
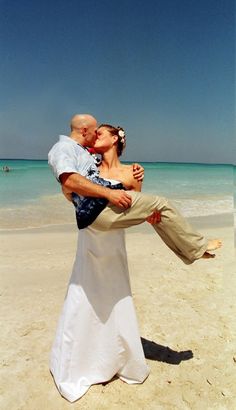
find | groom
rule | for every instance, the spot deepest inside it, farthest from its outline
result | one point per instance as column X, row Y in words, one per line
column 110, row 208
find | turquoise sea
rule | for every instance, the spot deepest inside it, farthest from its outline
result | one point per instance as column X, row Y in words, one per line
column 30, row 195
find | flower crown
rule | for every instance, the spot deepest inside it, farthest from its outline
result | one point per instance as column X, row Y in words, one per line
column 121, row 134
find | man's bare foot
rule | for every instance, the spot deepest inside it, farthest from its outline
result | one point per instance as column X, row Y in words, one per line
column 208, row 255
column 214, row 244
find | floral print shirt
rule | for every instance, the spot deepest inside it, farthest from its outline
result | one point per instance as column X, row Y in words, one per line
column 67, row 156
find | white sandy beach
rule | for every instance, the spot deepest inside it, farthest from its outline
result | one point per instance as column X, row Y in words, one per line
column 187, row 308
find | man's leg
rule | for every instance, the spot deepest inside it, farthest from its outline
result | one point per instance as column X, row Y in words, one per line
column 174, row 230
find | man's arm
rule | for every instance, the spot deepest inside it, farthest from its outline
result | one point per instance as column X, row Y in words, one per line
column 74, row 182
column 138, row 172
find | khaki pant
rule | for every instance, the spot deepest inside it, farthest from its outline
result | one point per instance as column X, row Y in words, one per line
column 174, row 230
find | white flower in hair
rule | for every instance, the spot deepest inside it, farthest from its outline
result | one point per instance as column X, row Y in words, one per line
column 121, row 133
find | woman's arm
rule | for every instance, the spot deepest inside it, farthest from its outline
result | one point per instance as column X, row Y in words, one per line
column 155, row 217
column 134, row 183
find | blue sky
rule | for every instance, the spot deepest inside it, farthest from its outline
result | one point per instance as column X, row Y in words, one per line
column 162, row 69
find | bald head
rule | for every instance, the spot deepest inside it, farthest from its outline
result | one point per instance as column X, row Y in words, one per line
column 80, row 121
column 83, row 129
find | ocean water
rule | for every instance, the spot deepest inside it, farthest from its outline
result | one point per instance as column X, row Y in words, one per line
column 30, row 195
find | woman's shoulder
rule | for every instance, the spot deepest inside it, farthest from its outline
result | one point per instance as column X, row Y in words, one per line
column 128, row 176
column 127, row 167
column 125, row 173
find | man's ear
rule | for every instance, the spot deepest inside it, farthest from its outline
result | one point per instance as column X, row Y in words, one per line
column 84, row 131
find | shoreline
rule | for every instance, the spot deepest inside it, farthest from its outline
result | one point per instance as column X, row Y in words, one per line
column 200, row 222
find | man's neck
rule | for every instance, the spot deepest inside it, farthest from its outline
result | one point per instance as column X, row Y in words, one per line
column 76, row 136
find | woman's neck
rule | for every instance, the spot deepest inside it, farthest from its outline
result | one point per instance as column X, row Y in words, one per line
column 110, row 160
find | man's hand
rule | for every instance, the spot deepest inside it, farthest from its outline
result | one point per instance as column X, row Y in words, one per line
column 155, row 218
column 120, row 198
column 138, row 172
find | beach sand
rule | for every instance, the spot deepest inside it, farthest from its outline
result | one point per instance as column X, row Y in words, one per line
column 190, row 309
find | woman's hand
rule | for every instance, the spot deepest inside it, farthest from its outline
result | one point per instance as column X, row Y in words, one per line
column 138, row 172
column 155, row 218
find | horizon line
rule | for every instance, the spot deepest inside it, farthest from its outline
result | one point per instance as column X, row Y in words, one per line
column 149, row 162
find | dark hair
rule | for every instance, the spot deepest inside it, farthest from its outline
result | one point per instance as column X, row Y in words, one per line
column 121, row 142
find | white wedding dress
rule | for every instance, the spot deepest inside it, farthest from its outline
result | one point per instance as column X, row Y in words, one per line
column 97, row 335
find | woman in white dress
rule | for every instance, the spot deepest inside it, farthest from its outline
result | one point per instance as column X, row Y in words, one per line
column 97, row 336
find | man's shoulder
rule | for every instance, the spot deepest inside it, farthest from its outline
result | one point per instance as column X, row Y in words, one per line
column 63, row 140
column 63, row 144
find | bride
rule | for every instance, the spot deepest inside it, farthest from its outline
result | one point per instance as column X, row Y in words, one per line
column 97, row 336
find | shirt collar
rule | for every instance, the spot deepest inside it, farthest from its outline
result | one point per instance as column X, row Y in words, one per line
column 67, row 139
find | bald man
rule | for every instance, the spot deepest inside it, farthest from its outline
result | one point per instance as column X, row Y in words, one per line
column 105, row 207
column 74, row 167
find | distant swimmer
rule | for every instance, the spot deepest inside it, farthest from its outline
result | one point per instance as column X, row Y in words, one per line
column 6, row 168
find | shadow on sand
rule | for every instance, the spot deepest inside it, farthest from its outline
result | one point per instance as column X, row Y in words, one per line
column 153, row 351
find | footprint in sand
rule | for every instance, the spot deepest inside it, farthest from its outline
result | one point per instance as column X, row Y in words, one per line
column 25, row 330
